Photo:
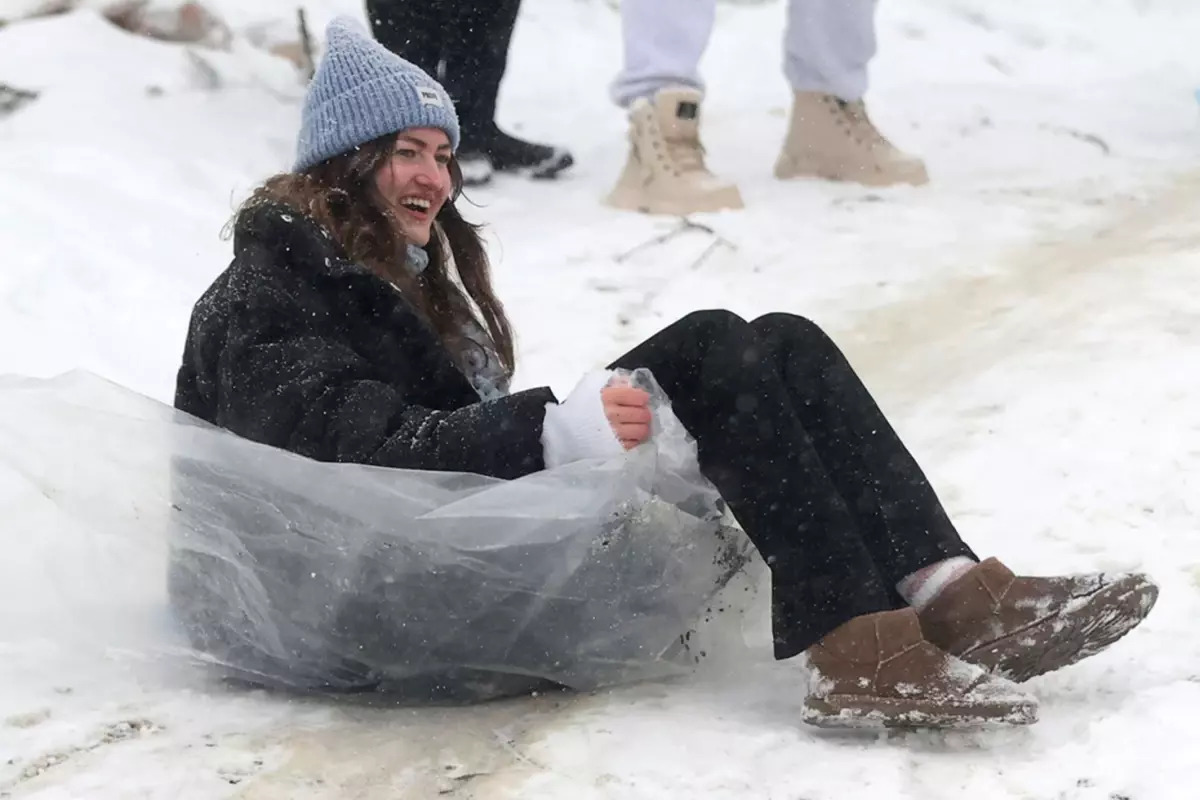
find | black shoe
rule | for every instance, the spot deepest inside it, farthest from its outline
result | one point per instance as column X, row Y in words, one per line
column 510, row 154
column 476, row 167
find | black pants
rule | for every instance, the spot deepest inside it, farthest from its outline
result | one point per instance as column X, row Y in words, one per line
column 823, row 486
column 463, row 43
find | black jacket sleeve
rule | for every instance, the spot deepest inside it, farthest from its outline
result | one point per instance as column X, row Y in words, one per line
column 287, row 377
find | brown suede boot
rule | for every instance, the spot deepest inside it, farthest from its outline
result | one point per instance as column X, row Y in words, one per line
column 878, row 670
column 1022, row 627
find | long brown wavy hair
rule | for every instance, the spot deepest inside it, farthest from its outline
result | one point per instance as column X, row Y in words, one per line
column 340, row 194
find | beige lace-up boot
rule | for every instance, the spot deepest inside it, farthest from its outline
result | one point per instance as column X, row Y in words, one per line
column 835, row 139
column 665, row 171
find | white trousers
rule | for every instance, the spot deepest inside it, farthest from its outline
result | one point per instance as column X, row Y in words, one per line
column 827, row 45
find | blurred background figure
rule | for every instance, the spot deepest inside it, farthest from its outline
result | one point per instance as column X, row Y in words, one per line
column 464, row 44
column 827, row 47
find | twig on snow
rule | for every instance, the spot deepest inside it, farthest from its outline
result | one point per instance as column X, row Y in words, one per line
column 1083, row 136
column 651, row 292
column 12, row 98
column 306, row 43
column 685, row 225
column 509, row 746
column 210, row 78
column 708, row 251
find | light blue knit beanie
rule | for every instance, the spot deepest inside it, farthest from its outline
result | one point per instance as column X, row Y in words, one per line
column 362, row 91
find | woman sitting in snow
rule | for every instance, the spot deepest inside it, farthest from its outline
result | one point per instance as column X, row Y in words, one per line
column 340, row 333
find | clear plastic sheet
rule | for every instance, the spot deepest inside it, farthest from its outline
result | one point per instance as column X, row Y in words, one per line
column 284, row 572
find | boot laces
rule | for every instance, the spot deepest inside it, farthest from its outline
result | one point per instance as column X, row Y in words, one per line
column 678, row 154
column 687, row 155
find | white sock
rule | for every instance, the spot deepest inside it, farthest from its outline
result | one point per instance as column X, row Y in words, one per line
column 923, row 586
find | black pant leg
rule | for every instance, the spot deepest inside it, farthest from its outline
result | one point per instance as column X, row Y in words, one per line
column 476, row 58
column 755, row 450
column 897, row 513
column 419, row 32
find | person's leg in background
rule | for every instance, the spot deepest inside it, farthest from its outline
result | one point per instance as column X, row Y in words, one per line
column 476, row 59
column 413, row 31
column 464, row 44
column 663, row 42
column 660, row 85
column 828, row 45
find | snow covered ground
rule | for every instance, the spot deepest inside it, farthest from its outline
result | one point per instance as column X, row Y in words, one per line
column 1031, row 319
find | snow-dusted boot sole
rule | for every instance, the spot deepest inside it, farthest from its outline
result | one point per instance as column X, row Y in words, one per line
column 1086, row 625
column 789, row 167
column 645, row 200
column 550, row 168
column 859, row 711
column 476, row 171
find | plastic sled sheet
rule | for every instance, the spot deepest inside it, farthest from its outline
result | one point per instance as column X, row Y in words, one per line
column 284, row 572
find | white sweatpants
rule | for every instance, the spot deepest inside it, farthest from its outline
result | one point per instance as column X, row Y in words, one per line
column 827, row 45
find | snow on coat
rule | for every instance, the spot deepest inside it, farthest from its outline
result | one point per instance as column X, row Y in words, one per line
column 298, row 347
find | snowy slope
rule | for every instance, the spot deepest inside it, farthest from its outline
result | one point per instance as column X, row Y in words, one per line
column 1030, row 318
column 118, row 179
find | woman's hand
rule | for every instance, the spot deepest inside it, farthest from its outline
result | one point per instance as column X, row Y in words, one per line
column 628, row 412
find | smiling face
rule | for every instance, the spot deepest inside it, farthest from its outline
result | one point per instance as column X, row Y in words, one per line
column 415, row 181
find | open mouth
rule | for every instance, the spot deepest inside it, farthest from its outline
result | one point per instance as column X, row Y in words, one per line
column 417, row 206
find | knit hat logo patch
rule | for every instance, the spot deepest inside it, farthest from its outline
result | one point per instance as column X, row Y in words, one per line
column 430, row 97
